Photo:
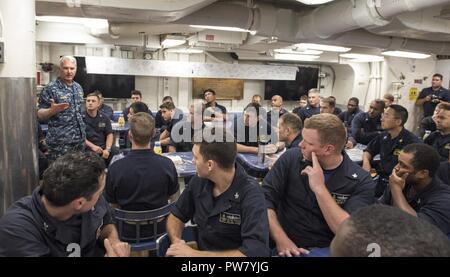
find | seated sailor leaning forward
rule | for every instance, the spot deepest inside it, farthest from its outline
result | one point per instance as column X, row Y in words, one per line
column 64, row 217
column 227, row 205
column 310, row 191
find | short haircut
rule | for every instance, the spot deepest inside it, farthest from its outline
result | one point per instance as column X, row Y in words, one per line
column 380, row 102
column 397, row 233
column 330, row 128
column 71, row 59
column 330, row 101
column 256, row 95
column 73, row 175
column 304, row 97
column 389, row 97
column 400, row 113
column 94, row 94
column 254, row 107
column 424, row 157
column 332, row 97
column 141, row 127
column 443, row 106
column 136, row 92
column 314, row 90
column 98, row 92
column 220, row 150
column 292, row 121
column 139, row 107
column 354, row 99
column 167, row 105
column 209, row 90
column 438, row 75
column 167, row 97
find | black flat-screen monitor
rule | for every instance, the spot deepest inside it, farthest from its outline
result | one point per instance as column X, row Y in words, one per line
column 306, row 79
column 111, row 86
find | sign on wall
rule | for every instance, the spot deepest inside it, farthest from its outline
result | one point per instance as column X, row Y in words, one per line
column 226, row 89
column 106, row 65
column 413, row 93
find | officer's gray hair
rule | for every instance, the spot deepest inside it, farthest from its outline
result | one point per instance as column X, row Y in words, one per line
column 67, row 58
column 314, row 90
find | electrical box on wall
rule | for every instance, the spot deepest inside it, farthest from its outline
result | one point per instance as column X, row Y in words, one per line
column 2, row 52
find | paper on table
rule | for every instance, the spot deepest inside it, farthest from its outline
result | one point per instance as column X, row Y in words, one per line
column 177, row 160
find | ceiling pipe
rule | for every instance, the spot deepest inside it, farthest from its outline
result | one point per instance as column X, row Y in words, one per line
column 346, row 16
column 363, row 38
column 160, row 11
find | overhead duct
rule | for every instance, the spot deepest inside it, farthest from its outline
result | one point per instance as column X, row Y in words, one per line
column 219, row 14
column 424, row 24
column 135, row 10
column 346, row 15
column 132, row 29
column 290, row 26
column 363, row 38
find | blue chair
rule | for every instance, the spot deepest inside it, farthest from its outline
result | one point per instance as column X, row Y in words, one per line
column 163, row 242
column 141, row 229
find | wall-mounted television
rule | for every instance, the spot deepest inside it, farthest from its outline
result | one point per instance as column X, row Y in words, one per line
column 111, row 86
column 306, row 79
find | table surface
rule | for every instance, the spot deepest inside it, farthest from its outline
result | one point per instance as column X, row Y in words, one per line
column 117, row 128
column 251, row 163
column 183, row 163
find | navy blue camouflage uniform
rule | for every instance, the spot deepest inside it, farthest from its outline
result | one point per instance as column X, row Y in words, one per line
column 66, row 129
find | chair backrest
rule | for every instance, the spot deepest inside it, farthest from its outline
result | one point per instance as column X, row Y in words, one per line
column 141, row 226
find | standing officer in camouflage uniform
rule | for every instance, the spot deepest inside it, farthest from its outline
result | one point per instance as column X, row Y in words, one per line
column 60, row 104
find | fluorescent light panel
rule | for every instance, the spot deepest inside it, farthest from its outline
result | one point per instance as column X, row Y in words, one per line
column 224, row 28
column 295, row 57
column 322, row 47
column 294, row 51
column 172, row 41
column 90, row 22
column 355, row 57
column 314, row 2
column 405, row 54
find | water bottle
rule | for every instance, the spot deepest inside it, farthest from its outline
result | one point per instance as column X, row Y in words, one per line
column 157, row 148
column 263, row 141
column 121, row 120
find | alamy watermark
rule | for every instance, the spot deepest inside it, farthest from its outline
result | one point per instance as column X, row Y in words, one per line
column 254, row 126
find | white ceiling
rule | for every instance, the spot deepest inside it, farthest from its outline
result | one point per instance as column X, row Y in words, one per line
column 277, row 23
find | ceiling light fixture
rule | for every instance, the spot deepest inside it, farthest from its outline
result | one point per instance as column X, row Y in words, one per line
column 360, row 58
column 295, row 57
column 172, row 41
column 323, row 47
column 405, row 54
column 295, row 51
column 223, row 28
column 314, row 2
column 89, row 22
